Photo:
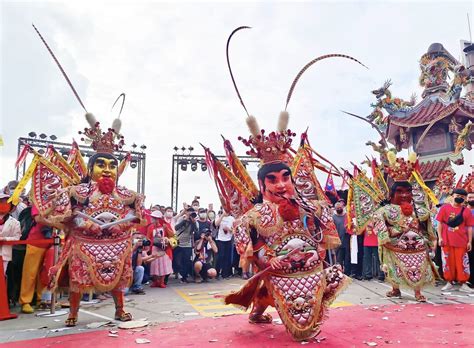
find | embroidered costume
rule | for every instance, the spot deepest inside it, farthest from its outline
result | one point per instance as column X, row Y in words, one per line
column 403, row 226
column 86, row 203
column 284, row 227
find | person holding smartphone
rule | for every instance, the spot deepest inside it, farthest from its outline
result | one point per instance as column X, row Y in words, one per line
column 224, row 223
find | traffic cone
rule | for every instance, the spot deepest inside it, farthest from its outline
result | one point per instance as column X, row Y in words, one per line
column 4, row 306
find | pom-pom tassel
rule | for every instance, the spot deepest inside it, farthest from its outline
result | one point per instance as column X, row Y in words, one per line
column 253, row 125
column 117, row 125
column 283, row 121
column 392, row 158
column 91, row 120
column 412, row 157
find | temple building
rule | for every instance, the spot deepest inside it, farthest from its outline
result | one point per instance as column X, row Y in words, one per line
column 439, row 126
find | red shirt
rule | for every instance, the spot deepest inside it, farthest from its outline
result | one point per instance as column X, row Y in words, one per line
column 35, row 232
column 370, row 239
column 455, row 236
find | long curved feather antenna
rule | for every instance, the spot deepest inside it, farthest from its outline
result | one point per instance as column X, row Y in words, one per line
column 374, row 126
column 295, row 81
column 230, row 69
column 122, row 95
column 60, row 68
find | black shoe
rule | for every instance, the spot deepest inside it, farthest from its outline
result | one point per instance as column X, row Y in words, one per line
column 367, row 278
column 184, row 280
column 358, row 277
column 138, row 291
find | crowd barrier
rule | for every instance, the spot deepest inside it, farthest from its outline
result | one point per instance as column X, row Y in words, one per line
column 4, row 305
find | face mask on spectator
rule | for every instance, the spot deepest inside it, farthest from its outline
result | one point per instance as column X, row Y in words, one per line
column 202, row 215
column 471, row 203
column 459, row 200
column 169, row 214
column 339, row 210
column 212, row 216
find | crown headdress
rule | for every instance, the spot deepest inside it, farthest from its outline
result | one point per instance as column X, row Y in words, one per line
column 400, row 169
column 102, row 141
column 270, row 148
column 446, row 178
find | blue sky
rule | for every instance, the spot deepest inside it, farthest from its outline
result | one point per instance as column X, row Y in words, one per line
column 169, row 58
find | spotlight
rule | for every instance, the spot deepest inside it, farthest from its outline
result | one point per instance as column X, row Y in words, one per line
column 32, row 134
column 43, row 136
column 143, row 147
column 194, row 165
column 203, row 166
column 41, row 151
column 190, row 149
column 183, row 165
column 133, row 164
column 53, row 137
column 134, row 146
column 175, row 149
column 183, row 149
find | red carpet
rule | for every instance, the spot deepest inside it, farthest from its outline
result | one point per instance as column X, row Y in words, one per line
column 394, row 325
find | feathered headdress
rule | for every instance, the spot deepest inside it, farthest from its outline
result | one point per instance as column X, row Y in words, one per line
column 101, row 141
column 275, row 146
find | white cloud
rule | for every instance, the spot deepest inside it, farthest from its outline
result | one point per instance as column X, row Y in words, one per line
column 169, row 58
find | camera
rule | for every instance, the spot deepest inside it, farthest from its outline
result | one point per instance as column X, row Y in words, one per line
column 146, row 242
column 207, row 232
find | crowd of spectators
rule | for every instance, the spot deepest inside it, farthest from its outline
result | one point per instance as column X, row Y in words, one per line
column 194, row 244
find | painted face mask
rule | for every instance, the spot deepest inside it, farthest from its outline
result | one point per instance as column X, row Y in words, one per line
column 104, row 168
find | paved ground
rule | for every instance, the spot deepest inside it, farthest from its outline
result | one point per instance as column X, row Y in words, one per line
column 183, row 302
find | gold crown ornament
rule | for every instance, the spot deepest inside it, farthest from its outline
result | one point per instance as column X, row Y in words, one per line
column 100, row 141
column 273, row 147
column 446, row 178
column 398, row 168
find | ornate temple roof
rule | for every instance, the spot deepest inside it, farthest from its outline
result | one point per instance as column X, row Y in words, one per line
column 431, row 170
column 433, row 109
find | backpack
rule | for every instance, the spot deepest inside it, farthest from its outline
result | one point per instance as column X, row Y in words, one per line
column 26, row 222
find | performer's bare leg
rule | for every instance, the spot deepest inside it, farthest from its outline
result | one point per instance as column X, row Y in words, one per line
column 257, row 315
column 395, row 292
column 74, row 301
column 120, row 314
column 418, row 296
